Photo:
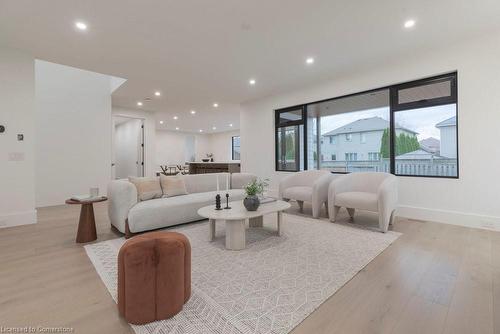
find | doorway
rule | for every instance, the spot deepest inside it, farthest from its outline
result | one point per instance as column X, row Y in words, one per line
column 128, row 147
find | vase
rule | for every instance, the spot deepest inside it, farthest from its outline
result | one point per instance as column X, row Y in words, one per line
column 251, row 203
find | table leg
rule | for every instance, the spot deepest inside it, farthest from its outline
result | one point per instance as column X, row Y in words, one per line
column 256, row 222
column 235, row 234
column 86, row 226
column 211, row 226
column 280, row 220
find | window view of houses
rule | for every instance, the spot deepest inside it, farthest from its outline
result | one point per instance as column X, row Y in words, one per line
column 425, row 142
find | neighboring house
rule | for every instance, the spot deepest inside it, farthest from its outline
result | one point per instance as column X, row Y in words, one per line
column 448, row 130
column 358, row 140
column 430, row 144
column 420, row 154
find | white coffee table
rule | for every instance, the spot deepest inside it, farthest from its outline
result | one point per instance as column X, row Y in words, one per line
column 235, row 220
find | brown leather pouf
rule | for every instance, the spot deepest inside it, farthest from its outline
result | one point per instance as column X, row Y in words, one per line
column 154, row 276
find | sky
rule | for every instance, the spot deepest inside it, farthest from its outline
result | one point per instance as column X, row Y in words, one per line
column 424, row 121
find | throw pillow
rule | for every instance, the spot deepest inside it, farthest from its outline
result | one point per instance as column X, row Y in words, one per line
column 147, row 187
column 173, row 185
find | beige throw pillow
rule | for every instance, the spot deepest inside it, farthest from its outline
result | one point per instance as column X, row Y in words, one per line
column 147, row 187
column 173, row 185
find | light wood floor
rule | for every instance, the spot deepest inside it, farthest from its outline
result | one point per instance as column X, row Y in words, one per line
column 435, row 278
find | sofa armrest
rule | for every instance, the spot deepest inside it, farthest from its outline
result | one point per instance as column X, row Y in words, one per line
column 122, row 195
column 240, row 180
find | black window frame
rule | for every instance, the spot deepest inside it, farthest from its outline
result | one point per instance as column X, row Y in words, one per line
column 278, row 125
column 394, row 107
column 232, row 147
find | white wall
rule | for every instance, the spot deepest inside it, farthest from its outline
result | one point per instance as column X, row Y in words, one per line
column 150, row 165
column 472, row 199
column 73, row 133
column 17, row 182
column 127, row 149
column 220, row 145
column 172, row 147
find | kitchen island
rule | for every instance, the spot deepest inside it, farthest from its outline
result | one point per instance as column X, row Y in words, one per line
column 214, row 167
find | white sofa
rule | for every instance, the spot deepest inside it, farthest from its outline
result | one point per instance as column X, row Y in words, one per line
column 308, row 186
column 370, row 191
column 129, row 215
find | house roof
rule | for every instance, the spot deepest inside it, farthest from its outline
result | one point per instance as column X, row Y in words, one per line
column 420, row 154
column 430, row 144
column 452, row 121
column 365, row 124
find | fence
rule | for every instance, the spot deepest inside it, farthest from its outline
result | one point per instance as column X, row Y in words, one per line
column 430, row 167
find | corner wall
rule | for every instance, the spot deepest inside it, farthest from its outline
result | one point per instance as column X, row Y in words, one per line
column 471, row 200
column 73, row 134
column 17, row 181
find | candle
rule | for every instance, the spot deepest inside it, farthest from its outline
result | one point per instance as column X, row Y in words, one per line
column 217, row 183
column 227, row 183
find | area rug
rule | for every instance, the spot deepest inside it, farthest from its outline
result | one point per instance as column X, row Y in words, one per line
column 269, row 287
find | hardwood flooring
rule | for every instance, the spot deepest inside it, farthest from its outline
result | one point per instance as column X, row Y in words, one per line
column 435, row 278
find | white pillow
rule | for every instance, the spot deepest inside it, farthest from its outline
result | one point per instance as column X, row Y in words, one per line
column 173, row 185
column 147, row 187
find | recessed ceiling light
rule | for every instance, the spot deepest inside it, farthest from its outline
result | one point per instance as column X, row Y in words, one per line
column 193, row 112
column 80, row 25
column 231, row 125
column 157, row 93
column 409, row 24
column 161, row 122
column 139, row 104
column 201, row 130
column 252, row 82
column 177, row 128
column 310, row 60
column 175, row 117
column 216, row 105
column 214, row 128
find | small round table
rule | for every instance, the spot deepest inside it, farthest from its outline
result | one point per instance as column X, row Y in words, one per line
column 86, row 226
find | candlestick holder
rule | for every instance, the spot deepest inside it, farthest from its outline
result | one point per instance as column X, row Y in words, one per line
column 217, row 202
column 227, row 202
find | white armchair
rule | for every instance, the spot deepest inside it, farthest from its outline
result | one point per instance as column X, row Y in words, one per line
column 370, row 191
column 308, row 186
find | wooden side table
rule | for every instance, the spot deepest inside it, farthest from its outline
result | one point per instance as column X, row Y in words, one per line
column 86, row 226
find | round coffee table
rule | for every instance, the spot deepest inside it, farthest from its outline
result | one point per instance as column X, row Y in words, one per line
column 235, row 220
column 86, row 226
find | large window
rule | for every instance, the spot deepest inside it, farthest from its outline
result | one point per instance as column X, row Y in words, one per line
column 235, row 144
column 408, row 129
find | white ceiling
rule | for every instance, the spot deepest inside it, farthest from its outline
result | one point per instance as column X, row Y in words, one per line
column 200, row 52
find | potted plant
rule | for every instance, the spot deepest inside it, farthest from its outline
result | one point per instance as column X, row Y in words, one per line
column 253, row 190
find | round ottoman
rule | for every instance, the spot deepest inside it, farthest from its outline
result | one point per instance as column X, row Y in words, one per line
column 154, row 276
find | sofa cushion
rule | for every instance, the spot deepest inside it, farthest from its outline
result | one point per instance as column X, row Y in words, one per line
column 172, row 185
column 168, row 211
column 358, row 200
column 298, row 193
column 147, row 187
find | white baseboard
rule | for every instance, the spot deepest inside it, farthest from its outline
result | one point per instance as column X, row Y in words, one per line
column 450, row 217
column 472, row 220
column 18, row 218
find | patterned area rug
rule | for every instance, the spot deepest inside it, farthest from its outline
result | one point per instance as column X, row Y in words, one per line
column 271, row 286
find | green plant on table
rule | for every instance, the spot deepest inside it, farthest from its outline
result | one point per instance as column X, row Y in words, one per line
column 256, row 187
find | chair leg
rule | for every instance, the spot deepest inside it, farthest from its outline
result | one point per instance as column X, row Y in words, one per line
column 301, row 205
column 384, row 220
column 333, row 215
column 351, row 212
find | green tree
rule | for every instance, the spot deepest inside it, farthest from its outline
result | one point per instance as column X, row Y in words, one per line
column 404, row 143
column 384, row 145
